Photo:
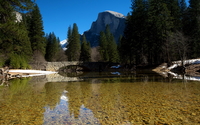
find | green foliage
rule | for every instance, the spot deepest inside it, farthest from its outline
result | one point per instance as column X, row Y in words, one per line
column 160, row 24
column 52, row 47
column 125, row 45
column 14, row 62
column 103, row 47
column 148, row 28
column 18, row 62
column 134, row 42
column 1, row 63
column 35, row 28
column 112, row 50
column 192, row 27
column 14, row 35
column 85, row 55
column 108, row 47
column 23, row 63
column 18, row 86
column 68, row 52
column 74, row 44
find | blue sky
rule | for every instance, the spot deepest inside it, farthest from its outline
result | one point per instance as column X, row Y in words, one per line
column 58, row 15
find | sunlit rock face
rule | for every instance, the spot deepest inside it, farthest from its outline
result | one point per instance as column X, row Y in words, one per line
column 115, row 20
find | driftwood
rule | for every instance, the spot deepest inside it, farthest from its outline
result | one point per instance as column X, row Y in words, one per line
column 4, row 72
column 4, row 75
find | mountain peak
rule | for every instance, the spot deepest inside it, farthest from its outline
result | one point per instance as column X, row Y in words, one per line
column 116, row 22
column 115, row 14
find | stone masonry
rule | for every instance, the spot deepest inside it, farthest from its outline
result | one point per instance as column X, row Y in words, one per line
column 55, row 66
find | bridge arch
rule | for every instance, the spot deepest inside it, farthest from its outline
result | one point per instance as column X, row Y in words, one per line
column 55, row 66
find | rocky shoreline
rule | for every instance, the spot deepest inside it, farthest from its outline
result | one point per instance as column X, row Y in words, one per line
column 190, row 71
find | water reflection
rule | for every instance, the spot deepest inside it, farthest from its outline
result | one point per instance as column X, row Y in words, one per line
column 185, row 77
column 116, row 73
column 137, row 98
column 62, row 114
column 19, row 104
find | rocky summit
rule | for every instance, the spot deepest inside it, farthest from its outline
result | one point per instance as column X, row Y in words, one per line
column 115, row 20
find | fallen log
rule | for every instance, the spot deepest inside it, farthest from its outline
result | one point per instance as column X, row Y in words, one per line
column 4, row 72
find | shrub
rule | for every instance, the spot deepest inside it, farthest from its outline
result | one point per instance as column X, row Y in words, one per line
column 17, row 61
column 14, row 61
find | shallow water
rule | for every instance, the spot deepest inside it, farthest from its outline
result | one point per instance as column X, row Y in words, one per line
column 101, row 99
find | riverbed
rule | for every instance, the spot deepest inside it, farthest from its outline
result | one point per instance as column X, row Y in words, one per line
column 105, row 98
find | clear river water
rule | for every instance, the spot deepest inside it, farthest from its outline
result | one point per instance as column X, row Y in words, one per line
column 106, row 98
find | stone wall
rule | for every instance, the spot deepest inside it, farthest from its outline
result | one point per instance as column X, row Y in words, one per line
column 38, row 65
column 55, row 66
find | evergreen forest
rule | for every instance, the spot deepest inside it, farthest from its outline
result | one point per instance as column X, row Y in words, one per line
column 160, row 31
column 156, row 31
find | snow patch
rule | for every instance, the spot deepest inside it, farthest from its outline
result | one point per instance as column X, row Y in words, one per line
column 178, row 63
column 32, row 72
column 63, row 44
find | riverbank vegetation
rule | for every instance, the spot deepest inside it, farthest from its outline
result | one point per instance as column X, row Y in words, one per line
column 22, row 39
column 156, row 32
column 161, row 31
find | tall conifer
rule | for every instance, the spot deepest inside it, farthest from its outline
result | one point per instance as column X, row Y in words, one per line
column 103, row 47
column 85, row 50
column 73, row 47
column 193, row 27
column 36, row 32
column 14, row 38
column 68, row 52
column 52, row 47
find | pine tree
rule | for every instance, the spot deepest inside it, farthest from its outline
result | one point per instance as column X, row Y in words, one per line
column 36, row 33
column 103, row 47
column 22, row 43
column 85, row 55
column 49, row 47
column 134, row 43
column 139, row 30
column 68, row 52
column 160, row 26
column 108, row 47
column 112, row 50
column 126, row 46
column 76, row 43
column 14, row 38
column 111, row 46
column 52, row 47
column 175, row 14
column 183, row 17
column 193, row 27
column 73, row 47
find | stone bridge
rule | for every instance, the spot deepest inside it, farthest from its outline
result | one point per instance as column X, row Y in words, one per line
column 52, row 66
column 55, row 66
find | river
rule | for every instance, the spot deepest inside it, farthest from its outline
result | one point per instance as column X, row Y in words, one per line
column 106, row 98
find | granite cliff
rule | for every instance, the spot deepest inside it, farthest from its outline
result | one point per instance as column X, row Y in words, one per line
column 115, row 20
